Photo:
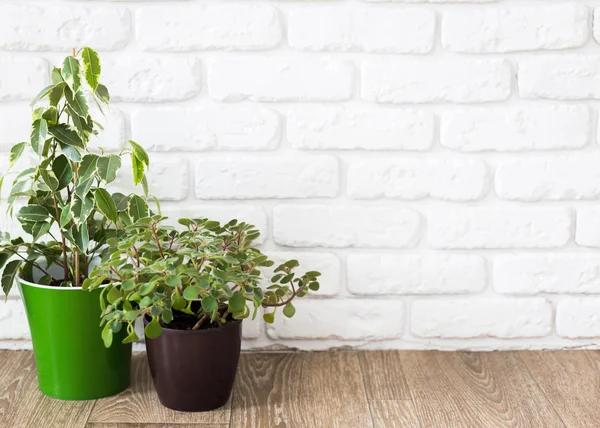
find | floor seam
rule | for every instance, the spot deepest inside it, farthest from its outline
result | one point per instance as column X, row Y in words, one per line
column 362, row 376
column 541, row 389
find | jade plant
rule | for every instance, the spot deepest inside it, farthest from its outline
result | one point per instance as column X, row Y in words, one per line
column 68, row 213
column 203, row 276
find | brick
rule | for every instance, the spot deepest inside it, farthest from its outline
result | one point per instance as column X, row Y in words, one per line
column 501, row 129
column 550, row 178
column 152, row 79
column 168, row 178
column 15, row 125
column 444, row 178
column 560, row 77
column 13, row 321
column 372, row 274
column 340, row 319
column 519, row 28
column 424, row 81
column 345, row 226
column 596, row 24
column 367, row 29
column 21, row 78
column 192, row 27
column 499, row 227
column 113, row 137
column 578, row 317
column 425, row 1
column 547, row 273
column 481, row 317
column 364, row 127
column 280, row 79
column 587, row 232
column 222, row 213
column 60, row 27
column 251, row 327
column 209, row 127
column 327, row 263
column 244, row 177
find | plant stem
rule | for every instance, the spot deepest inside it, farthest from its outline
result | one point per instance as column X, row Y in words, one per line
column 29, row 261
column 153, row 228
column 200, row 322
column 273, row 305
column 63, row 243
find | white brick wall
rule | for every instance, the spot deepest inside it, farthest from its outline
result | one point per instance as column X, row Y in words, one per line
column 437, row 160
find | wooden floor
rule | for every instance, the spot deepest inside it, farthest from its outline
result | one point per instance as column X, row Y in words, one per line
column 341, row 389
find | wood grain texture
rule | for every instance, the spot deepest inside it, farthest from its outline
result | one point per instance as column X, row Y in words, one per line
column 340, row 389
column 24, row 406
column 387, row 391
column 462, row 389
column 117, row 425
column 140, row 404
column 571, row 381
column 300, row 390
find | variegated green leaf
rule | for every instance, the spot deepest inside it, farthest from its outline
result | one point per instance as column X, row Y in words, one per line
column 66, row 215
column 39, row 130
column 67, row 135
column 137, row 208
column 108, row 167
column 16, row 152
column 106, row 205
column 91, row 67
column 77, row 102
column 9, row 275
column 82, row 208
column 71, row 73
column 63, row 170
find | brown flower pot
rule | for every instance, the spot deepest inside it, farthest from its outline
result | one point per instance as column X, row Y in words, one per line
column 194, row 370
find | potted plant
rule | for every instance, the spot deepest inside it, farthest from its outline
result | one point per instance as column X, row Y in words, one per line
column 69, row 215
column 193, row 288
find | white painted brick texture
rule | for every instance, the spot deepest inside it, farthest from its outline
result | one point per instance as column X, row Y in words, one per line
column 39, row 27
column 515, row 28
column 367, row 29
column 508, row 129
column 481, row 317
column 551, row 178
column 430, row 80
column 437, row 160
column 185, row 27
column 448, row 178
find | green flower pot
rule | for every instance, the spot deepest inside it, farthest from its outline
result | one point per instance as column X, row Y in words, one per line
column 72, row 362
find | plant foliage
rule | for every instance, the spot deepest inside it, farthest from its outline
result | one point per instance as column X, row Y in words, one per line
column 68, row 213
column 208, row 271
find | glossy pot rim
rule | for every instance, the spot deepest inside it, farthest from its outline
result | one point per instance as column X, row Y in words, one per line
column 227, row 326
column 33, row 284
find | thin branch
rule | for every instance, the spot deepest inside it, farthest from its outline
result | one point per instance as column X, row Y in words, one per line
column 30, row 261
column 153, row 228
column 200, row 322
column 275, row 305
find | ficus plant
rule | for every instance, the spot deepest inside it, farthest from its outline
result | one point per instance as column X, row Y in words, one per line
column 68, row 213
column 200, row 277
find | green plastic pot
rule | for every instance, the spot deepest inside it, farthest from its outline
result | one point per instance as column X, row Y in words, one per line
column 72, row 362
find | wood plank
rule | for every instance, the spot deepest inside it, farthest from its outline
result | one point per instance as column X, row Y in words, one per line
column 300, row 390
column 463, row 389
column 33, row 409
column 571, row 381
column 140, row 404
column 16, row 368
column 119, row 425
column 387, row 391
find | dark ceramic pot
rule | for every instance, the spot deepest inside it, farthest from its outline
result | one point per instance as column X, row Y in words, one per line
column 193, row 371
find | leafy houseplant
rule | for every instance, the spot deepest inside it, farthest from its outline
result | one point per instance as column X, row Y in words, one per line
column 69, row 216
column 193, row 288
